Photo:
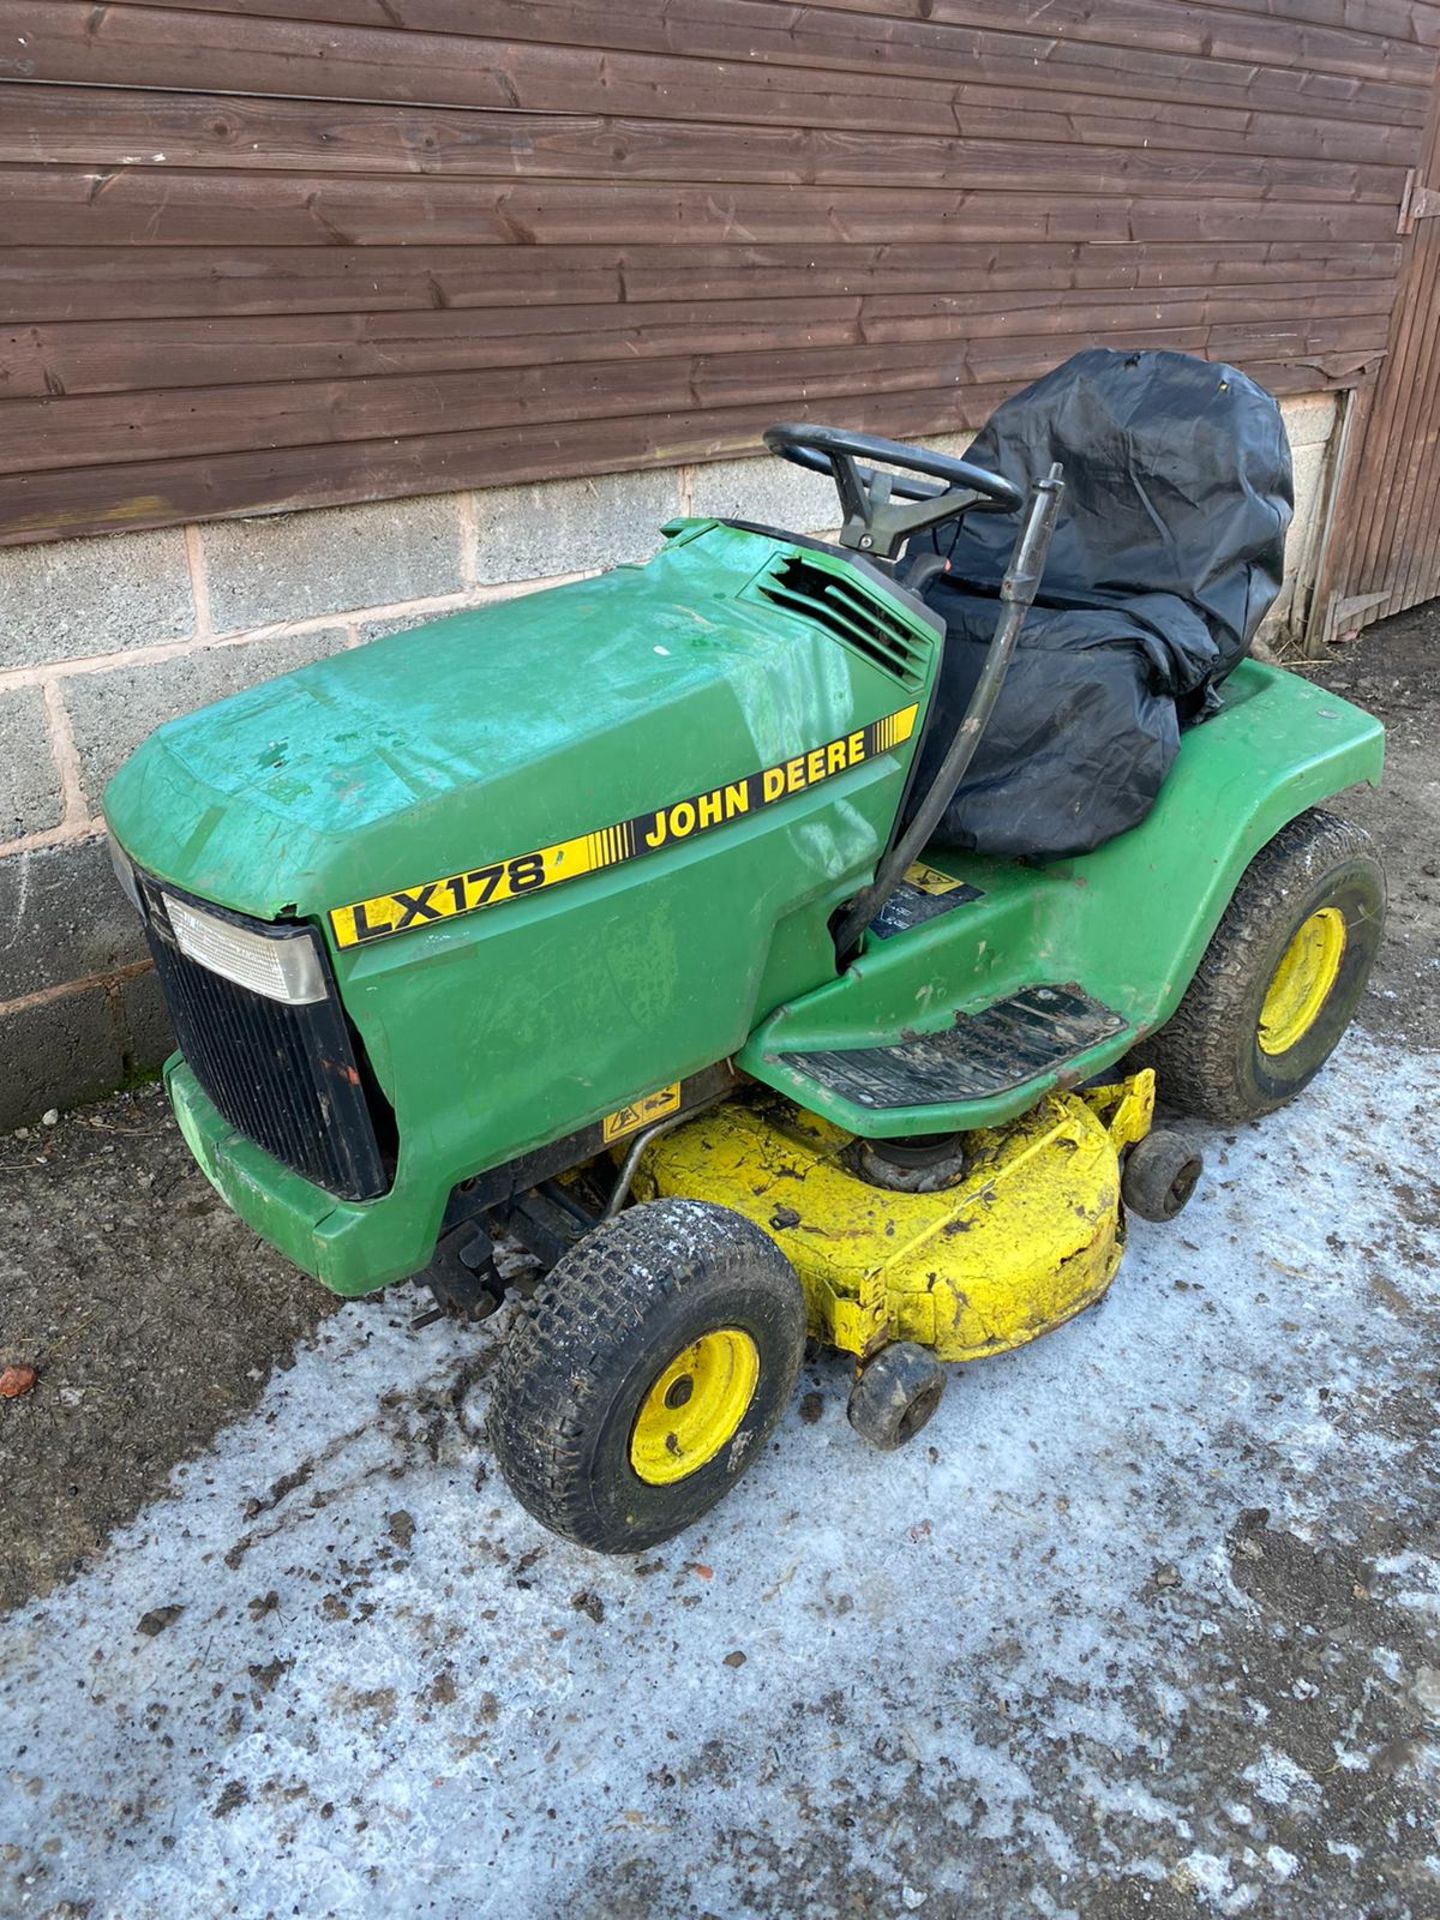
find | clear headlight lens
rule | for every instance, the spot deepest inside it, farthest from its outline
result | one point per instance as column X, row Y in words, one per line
column 124, row 872
column 281, row 966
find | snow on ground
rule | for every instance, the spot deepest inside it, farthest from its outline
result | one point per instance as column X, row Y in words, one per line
column 1138, row 1625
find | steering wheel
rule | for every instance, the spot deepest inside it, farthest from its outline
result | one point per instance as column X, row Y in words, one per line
column 873, row 525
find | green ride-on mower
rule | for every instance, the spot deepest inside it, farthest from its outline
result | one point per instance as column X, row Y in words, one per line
column 617, row 921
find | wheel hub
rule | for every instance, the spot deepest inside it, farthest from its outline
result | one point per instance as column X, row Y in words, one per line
column 1303, row 981
column 695, row 1406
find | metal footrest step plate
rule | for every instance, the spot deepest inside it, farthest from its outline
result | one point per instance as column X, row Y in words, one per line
column 1033, row 1033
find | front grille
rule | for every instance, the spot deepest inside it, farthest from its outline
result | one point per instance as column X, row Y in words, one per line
column 287, row 1077
column 844, row 606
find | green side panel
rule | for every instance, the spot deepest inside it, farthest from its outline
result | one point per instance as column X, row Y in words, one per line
column 1127, row 923
column 485, row 736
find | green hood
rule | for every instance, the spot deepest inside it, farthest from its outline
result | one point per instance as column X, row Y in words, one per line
column 487, row 733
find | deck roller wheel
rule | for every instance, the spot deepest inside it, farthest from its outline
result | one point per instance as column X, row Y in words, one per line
column 1160, row 1174
column 895, row 1395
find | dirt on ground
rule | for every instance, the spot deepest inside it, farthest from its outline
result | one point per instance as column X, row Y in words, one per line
column 1393, row 670
column 155, row 1320
column 150, row 1313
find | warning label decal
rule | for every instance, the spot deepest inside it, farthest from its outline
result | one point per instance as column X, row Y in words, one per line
column 642, row 1113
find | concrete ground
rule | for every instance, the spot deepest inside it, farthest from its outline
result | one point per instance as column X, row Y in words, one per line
column 1145, row 1624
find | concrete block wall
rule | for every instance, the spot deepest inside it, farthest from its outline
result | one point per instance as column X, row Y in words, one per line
column 102, row 640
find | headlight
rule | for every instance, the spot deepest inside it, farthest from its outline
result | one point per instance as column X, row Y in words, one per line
column 124, row 872
column 283, row 965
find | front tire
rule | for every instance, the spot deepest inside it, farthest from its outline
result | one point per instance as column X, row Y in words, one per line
column 647, row 1374
column 1281, row 979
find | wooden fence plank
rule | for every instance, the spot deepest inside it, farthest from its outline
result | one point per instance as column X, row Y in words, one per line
column 527, row 19
column 130, row 45
column 39, row 283
column 1004, row 47
column 98, row 430
column 154, row 492
column 60, row 358
column 1060, row 266
column 49, row 505
column 95, row 357
column 210, row 133
column 140, row 207
column 115, row 126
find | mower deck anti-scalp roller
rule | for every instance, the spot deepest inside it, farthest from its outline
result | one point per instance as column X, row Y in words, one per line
column 619, row 922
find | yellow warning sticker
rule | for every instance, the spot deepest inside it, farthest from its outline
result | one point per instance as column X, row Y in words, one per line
column 489, row 885
column 931, row 880
column 641, row 1113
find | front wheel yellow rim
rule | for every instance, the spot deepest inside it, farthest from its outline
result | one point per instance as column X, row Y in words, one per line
column 695, row 1406
column 1303, row 981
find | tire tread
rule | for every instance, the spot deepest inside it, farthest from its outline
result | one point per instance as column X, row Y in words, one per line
column 1193, row 1053
column 596, row 1300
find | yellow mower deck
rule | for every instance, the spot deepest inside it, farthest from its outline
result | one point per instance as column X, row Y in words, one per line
column 1030, row 1234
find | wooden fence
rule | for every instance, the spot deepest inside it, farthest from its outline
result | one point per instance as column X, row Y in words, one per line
column 275, row 253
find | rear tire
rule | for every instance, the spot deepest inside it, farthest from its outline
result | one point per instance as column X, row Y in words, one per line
column 647, row 1373
column 1281, row 979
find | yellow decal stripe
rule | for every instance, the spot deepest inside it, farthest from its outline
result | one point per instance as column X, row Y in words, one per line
column 365, row 921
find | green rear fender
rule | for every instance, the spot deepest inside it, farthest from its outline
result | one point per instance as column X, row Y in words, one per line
column 1129, row 922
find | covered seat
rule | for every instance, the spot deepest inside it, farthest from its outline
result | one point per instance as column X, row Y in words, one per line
column 1168, row 553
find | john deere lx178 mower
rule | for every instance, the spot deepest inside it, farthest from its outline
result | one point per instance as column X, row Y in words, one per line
column 687, row 926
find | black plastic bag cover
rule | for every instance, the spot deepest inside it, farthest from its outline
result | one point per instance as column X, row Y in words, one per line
column 1168, row 554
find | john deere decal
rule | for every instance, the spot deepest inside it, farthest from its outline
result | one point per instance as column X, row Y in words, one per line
column 522, row 873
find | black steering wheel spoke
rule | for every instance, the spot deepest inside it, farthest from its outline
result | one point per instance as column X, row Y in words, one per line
column 853, row 488
column 936, row 487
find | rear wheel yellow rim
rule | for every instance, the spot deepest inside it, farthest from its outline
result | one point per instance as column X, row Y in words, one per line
column 695, row 1406
column 1303, row 981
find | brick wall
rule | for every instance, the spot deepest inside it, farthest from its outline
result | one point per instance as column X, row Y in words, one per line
column 102, row 640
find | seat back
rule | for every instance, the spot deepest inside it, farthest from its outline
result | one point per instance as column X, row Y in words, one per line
column 1178, row 481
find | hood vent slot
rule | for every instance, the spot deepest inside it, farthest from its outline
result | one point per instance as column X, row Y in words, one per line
column 845, row 608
